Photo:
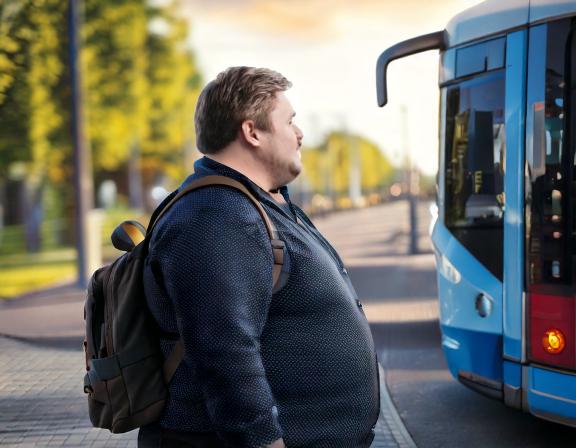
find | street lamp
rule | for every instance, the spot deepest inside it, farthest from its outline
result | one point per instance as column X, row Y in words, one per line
column 82, row 162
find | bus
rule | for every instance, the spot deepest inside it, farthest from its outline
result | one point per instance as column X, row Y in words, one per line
column 505, row 235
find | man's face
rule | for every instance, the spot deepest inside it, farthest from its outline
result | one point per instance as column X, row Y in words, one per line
column 281, row 143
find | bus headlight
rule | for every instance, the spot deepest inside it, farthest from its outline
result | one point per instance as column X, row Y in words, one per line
column 448, row 270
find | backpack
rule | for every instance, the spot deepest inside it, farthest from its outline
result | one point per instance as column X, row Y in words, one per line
column 126, row 375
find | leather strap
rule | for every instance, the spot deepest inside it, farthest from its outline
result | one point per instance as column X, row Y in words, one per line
column 175, row 357
column 219, row 180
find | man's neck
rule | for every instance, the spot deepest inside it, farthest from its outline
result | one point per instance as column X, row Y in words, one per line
column 244, row 166
column 239, row 164
column 278, row 197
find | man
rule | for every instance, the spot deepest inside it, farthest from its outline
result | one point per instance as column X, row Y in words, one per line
column 295, row 367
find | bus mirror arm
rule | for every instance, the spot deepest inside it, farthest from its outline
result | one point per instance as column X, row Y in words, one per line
column 432, row 41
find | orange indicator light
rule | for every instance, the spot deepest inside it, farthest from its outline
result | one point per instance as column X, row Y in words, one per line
column 554, row 341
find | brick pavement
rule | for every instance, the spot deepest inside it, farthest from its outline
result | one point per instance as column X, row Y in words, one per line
column 41, row 399
column 42, row 403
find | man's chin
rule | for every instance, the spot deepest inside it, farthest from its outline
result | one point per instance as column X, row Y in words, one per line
column 295, row 169
column 293, row 172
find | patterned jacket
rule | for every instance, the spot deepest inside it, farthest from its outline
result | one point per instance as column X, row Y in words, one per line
column 298, row 363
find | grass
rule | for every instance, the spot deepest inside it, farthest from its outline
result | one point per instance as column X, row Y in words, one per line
column 23, row 273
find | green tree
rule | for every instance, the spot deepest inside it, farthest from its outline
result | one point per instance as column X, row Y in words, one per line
column 32, row 68
column 174, row 87
column 140, row 87
column 328, row 166
column 114, row 64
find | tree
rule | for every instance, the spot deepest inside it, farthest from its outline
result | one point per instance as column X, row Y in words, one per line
column 328, row 166
column 29, row 110
column 114, row 62
column 141, row 87
column 174, row 87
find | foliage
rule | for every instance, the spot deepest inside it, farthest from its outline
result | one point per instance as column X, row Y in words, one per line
column 174, row 88
column 114, row 64
column 30, row 70
column 328, row 167
column 140, row 85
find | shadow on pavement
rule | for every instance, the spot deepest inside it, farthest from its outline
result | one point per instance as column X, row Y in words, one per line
column 67, row 343
column 379, row 283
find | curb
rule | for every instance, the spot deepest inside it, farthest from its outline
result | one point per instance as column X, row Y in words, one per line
column 68, row 343
column 389, row 421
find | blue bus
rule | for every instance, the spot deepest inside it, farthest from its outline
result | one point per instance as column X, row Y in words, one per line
column 505, row 235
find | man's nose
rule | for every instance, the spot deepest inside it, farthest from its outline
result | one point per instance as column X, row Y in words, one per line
column 299, row 134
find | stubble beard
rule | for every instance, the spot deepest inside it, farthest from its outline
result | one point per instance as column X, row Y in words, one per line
column 293, row 170
column 284, row 173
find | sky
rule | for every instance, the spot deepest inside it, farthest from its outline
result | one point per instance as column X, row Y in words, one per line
column 328, row 49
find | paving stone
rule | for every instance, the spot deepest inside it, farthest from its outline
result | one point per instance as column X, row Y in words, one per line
column 41, row 398
column 42, row 403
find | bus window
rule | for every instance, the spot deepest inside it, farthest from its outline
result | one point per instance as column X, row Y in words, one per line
column 475, row 154
column 550, row 167
column 480, row 57
column 571, row 96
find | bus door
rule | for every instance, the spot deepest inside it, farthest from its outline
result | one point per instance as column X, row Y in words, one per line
column 549, row 378
column 469, row 234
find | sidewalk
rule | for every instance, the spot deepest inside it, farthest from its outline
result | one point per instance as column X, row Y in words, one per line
column 53, row 316
column 41, row 370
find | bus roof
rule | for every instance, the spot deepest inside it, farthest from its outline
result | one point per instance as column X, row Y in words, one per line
column 496, row 16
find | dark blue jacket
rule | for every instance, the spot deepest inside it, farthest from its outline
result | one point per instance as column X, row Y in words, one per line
column 298, row 364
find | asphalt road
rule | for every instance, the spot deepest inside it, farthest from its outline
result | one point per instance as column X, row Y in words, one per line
column 399, row 296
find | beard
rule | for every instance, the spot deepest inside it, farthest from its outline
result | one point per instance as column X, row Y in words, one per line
column 295, row 168
column 288, row 171
column 284, row 170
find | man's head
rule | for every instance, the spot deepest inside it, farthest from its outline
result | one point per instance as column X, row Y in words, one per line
column 237, row 94
column 247, row 105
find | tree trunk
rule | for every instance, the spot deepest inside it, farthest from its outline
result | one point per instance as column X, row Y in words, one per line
column 136, row 197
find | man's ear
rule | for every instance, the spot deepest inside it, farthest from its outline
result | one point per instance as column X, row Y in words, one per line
column 250, row 133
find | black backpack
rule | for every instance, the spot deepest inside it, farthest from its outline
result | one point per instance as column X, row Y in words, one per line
column 127, row 376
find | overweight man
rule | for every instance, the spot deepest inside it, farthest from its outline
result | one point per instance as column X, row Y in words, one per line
column 292, row 365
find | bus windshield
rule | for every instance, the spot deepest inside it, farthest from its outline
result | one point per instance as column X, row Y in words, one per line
column 474, row 157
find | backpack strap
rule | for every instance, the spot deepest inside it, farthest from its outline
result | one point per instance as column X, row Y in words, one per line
column 175, row 357
column 277, row 244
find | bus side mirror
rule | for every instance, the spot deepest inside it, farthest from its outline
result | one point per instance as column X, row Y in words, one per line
column 432, row 41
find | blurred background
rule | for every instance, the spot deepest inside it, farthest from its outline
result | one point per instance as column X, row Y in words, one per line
column 97, row 104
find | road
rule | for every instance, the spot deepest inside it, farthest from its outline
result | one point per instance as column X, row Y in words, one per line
column 399, row 296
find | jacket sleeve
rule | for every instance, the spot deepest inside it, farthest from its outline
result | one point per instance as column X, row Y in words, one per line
column 219, row 278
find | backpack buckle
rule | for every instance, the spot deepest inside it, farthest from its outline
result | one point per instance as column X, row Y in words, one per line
column 278, row 244
column 278, row 250
column 87, row 385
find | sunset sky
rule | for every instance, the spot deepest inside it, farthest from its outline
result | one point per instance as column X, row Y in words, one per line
column 328, row 49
